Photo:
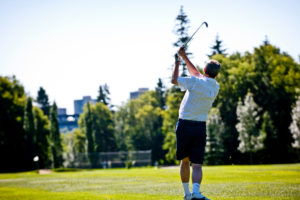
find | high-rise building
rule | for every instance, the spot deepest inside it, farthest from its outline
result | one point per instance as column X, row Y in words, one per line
column 78, row 104
column 136, row 94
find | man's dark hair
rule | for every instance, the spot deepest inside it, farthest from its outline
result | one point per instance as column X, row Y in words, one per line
column 212, row 68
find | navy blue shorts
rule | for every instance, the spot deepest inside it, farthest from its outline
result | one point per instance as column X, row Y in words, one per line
column 190, row 140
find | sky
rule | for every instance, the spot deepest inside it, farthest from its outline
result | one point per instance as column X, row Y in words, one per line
column 70, row 48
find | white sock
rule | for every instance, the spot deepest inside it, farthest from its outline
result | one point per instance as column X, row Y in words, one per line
column 186, row 188
column 196, row 187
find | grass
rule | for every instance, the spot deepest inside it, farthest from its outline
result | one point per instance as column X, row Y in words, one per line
column 258, row 182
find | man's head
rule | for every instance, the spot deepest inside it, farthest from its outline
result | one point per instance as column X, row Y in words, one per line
column 212, row 68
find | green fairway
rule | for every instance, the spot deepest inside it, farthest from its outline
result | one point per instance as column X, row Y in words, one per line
column 220, row 182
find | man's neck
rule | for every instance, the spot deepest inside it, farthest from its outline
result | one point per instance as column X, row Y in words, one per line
column 206, row 75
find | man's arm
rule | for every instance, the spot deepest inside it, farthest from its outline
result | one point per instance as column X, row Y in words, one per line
column 175, row 72
column 191, row 68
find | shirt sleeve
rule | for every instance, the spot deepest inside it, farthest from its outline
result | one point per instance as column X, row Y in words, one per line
column 186, row 83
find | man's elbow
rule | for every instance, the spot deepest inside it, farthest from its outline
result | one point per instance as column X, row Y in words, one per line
column 174, row 81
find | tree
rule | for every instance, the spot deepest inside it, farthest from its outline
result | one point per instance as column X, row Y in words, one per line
column 160, row 94
column 42, row 134
column 12, row 136
column 68, row 149
column 86, row 125
column 96, row 123
column 181, row 31
column 140, row 121
column 103, row 126
column 30, row 137
column 148, row 130
column 43, row 101
column 295, row 125
column 215, row 131
column 121, row 128
column 217, row 48
column 250, row 137
column 272, row 77
column 79, row 141
column 170, row 117
column 104, row 95
column 276, row 79
column 56, row 144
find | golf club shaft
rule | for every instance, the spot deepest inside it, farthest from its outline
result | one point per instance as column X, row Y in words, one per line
column 195, row 33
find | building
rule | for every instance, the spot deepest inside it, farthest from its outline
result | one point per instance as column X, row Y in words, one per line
column 70, row 122
column 78, row 104
column 136, row 94
column 66, row 122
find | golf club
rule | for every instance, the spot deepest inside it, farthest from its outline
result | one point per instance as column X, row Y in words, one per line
column 195, row 33
column 193, row 36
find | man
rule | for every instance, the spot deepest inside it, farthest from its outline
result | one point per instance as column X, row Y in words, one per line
column 191, row 126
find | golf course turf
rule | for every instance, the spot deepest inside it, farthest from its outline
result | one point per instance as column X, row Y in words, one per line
column 254, row 182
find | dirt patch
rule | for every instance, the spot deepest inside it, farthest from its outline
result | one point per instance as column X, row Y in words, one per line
column 45, row 171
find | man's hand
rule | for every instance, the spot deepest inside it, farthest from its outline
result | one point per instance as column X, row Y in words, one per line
column 177, row 58
column 181, row 52
column 191, row 68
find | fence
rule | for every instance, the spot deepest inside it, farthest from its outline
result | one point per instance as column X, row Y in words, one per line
column 108, row 159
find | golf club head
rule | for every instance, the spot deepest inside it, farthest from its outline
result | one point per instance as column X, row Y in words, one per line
column 206, row 24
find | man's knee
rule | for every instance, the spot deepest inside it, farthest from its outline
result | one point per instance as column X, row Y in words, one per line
column 185, row 161
column 196, row 166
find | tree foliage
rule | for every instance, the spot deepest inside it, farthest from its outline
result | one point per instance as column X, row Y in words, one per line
column 295, row 125
column 250, row 138
column 217, row 48
column 170, row 117
column 215, row 132
column 181, row 30
column 104, row 95
column 43, row 101
column 42, row 140
column 12, row 145
column 140, row 121
column 272, row 77
column 56, row 143
column 96, row 125
column 30, row 136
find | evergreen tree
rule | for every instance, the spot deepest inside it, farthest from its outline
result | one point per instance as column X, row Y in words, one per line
column 182, row 26
column 104, row 95
column 215, row 131
column 41, row 125
column 43, row 101
column 250, row 137
column 88, row 128
column 56, row 145
column 217, row 48
column 160, row 94
column 30, row 137
column 295, row 125
column 268, row 129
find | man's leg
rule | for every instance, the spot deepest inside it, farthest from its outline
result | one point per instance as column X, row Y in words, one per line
column 185, row 174
column 196, row 177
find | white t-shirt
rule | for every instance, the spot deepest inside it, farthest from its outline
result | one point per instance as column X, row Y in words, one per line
column 198, row 99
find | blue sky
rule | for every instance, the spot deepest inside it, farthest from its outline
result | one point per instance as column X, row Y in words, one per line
column 71, row 47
